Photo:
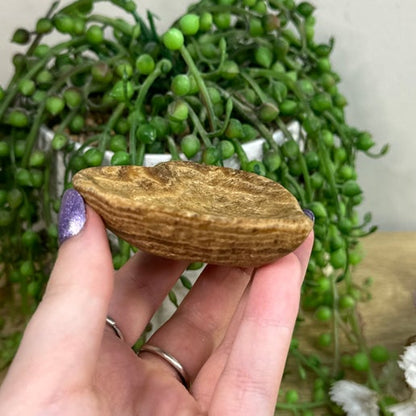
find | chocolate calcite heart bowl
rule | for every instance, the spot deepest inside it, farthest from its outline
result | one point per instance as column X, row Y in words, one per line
column 190, row 211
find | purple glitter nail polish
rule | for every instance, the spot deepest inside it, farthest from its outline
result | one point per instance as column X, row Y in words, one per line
column 309, row 213
column 72, row 215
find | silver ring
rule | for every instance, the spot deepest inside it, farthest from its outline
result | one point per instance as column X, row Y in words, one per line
column 171, row 360
column 112, row 323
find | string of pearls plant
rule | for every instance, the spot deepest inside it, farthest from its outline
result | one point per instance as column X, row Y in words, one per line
column 226, row 73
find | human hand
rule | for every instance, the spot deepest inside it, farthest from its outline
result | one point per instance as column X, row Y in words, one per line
column 231, row 334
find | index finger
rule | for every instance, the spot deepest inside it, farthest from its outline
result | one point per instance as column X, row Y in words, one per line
column 251, row 377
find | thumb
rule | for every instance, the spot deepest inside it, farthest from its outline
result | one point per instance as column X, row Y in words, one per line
column 81, row 282
column 68, row 325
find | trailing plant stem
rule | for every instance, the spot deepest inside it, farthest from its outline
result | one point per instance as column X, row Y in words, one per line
column 201, row 85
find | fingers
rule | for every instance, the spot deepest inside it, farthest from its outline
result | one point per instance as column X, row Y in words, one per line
column 71, row 316
column 140, row 287
column 303, row 252
column 199, row 324
column 250, row 381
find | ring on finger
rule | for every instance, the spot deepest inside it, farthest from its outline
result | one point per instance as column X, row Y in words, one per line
column 170, row 359
column 113, row 325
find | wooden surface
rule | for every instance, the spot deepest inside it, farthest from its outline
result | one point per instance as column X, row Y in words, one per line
column 390, row 317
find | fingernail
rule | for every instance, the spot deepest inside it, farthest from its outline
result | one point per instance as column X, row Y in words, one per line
column 72, row 215
column 310, row 214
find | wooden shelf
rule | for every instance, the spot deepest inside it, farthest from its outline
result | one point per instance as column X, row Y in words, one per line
column 390, row 317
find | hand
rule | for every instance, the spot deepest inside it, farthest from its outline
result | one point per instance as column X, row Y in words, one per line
column 231, row 334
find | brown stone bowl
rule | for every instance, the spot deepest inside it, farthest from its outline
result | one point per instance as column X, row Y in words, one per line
column 190, row 211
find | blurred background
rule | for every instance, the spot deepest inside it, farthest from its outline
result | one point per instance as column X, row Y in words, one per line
column 375, row 55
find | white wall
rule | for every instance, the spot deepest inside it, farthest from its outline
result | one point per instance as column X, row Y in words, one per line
column 375, row 54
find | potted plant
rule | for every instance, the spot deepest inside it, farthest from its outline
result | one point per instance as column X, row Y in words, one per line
column 227, row 74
